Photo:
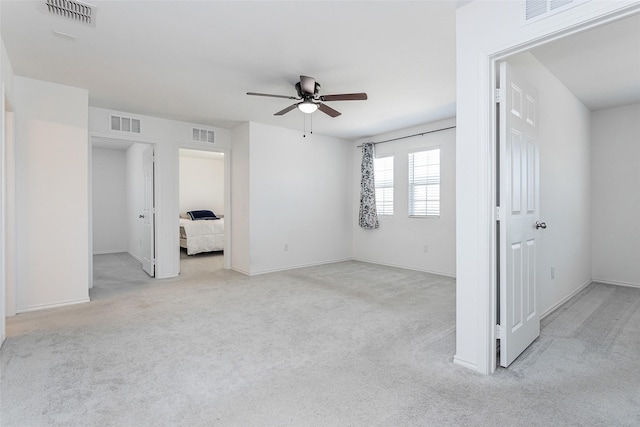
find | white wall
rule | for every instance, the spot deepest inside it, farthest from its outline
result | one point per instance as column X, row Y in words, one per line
column 485, row 30
column 565, row 186
column 299, row 197
column 109, row 200
column 240, row 186
column 52, row 159
column 201, row 184
column 615, row 160
column 400, row 240
column 167, row 136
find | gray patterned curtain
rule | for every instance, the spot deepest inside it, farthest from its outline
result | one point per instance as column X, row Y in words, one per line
column 368, row 214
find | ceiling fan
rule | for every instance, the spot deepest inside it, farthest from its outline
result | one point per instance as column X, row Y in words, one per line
column 310, row 101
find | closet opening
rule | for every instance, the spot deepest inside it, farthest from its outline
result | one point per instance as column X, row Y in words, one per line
column 122, row 216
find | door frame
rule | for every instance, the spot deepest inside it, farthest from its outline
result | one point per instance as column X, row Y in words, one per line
column 490, row 61
column 128, row 139
column 8, row 294
column 227, row 194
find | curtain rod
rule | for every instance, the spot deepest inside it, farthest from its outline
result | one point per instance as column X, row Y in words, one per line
column 410, row 136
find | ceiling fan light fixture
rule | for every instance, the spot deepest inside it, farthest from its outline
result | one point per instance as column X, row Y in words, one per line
column 307, row 107
column 308, row 99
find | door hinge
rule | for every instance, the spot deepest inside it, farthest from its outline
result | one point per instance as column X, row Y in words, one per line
column 498, row 332
column 498, row 213
column 499, row 96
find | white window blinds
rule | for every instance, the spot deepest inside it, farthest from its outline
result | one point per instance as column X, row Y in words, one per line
column 424, row 183
column 383, row 174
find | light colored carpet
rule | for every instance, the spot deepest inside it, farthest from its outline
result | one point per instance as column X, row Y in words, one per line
column 346, row 344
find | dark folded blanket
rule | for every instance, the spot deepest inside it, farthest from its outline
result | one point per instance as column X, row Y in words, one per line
column 201, row 214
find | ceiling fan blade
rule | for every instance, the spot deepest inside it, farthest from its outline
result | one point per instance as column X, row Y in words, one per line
column 308, row 84
column 286, row 110
column 328, row 110
column 345, row 97
column 272, row 96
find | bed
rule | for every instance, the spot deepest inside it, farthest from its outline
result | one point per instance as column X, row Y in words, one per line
column 201, row 233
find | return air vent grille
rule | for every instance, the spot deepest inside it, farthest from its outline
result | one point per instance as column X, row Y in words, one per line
column 77, row 11
column 534, row 10
column 203, row 135
column 125, row 124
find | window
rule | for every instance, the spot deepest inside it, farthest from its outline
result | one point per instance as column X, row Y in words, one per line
column 383, row 174
column 424, row 183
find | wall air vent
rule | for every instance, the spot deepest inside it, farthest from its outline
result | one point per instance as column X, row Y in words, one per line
column 83, row 13
column 125, row 124
column 535, row 10
column 203, row 135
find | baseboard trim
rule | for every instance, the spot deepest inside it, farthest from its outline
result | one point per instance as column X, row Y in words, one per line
column 241, row 271
column 136, row 258
column 315, row 264
column 114, row 251
column 465, row 363
column 422, row 270
column 565, row 299
column 294, row 267
column 616, row 283
column 55, row 305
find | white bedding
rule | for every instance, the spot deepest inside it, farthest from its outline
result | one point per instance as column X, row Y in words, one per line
column 202, row 236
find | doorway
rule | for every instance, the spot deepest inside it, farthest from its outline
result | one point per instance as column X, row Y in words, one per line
column 570, row 194
column 203, row 187
column 122, row 194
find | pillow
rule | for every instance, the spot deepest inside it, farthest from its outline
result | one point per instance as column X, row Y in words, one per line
column 201, row 215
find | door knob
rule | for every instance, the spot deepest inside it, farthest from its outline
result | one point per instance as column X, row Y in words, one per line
column 140, row 216
column 542, row 225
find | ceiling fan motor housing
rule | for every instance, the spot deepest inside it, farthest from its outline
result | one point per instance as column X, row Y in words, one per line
column 304, row 95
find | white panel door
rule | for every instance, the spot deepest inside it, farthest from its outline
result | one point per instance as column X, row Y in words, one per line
column 520, row 208
column 148, row 216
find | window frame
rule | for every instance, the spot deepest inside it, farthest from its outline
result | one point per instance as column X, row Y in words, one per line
column 411, row 184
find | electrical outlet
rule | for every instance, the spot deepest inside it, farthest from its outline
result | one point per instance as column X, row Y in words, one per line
column 553, row 272
column 286, row 247
column 426, row 249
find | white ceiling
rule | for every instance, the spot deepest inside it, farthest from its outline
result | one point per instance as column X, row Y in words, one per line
column 195, row 60
column 600, row 66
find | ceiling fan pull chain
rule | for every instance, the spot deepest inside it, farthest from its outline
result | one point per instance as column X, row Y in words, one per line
column 304, row 125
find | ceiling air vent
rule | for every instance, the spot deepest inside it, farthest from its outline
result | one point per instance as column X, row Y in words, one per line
column 125, row 124
column 534, row 10
column 203, row 135
column 83, row 13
